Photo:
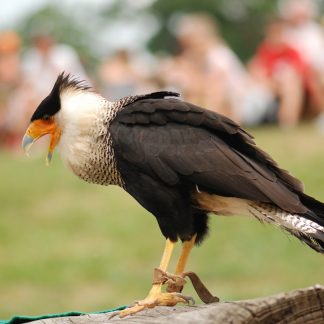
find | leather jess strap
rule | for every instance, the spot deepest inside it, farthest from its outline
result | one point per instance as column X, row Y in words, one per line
column 175, row 283
column 201, row 290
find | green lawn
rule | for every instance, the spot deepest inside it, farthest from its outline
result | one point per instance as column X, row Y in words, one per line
column 67, row 245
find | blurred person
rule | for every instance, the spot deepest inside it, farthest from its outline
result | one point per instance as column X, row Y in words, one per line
column 46, row 59
column 306, row 35
column 10, row 45
column 39, row 69
column 183, row 75
column 303, row 32
column 210, row 74
column 20, row 105
column 280, row 67
column 118, row 75
column 10, row 73
column 193, row 69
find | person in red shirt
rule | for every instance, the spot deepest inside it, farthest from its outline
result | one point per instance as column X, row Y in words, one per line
column 281, row 68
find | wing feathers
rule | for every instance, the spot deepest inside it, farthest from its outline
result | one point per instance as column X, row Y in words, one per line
column 175, row 141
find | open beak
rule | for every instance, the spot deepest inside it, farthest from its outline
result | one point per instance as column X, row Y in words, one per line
column 39, row 128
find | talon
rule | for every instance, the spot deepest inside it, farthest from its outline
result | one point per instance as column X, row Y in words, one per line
column 186, row 299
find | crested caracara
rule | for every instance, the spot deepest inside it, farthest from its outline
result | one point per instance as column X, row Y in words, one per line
column 179, row 161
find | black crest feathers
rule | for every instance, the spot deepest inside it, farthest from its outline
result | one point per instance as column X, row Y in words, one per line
column 66, row 81
column 52, row 103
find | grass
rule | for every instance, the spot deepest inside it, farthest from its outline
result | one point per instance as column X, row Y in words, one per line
column 67, row 245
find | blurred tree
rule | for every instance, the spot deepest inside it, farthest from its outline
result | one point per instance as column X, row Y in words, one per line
column 241, row 21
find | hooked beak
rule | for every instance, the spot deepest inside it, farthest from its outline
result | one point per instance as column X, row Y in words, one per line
column 39, row 128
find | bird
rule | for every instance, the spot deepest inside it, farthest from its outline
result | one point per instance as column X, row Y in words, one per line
column 181, row 162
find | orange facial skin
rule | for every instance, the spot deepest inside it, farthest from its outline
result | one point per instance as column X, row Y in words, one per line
column 39, row 128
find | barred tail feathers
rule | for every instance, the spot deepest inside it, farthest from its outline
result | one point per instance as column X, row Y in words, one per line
column 306, row 227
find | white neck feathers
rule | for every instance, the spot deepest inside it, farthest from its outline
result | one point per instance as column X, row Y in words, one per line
column 78, row 118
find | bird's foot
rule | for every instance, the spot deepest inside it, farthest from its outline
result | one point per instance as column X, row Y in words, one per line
column 155, row 299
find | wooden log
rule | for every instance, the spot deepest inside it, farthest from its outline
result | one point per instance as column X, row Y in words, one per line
column 296, row 307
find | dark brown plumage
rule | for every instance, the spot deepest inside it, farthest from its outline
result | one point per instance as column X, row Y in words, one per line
column 167, row 149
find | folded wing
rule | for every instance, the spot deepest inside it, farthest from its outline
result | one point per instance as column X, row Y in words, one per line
column 181, row 144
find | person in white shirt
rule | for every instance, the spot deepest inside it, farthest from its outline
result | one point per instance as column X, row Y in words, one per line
column 46, row 59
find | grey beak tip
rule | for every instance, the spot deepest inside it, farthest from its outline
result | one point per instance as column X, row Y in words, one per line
column 27, row 143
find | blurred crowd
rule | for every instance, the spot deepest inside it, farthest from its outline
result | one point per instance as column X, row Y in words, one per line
column 283, row 82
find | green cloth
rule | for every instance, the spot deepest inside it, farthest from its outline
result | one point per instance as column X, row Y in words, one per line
column 26, row 319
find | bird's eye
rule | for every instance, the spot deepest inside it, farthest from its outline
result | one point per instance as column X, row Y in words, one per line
column 46, row 117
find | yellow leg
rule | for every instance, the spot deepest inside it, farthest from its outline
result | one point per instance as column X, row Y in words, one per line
column 181, row 264
column 165, row 260
column 183, row 259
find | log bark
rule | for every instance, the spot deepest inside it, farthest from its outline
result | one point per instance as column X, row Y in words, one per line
column 296, row 307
